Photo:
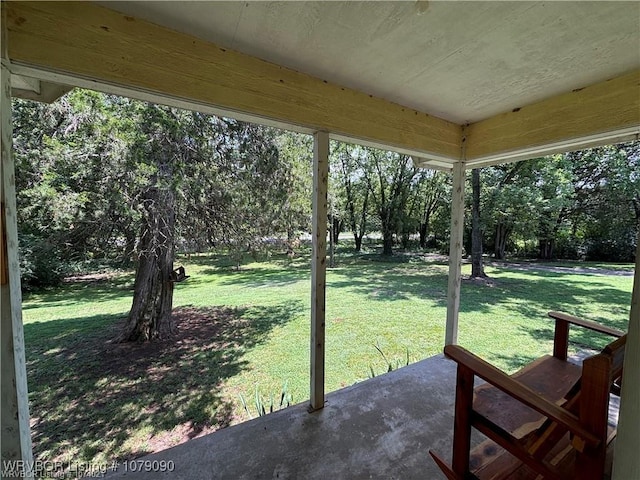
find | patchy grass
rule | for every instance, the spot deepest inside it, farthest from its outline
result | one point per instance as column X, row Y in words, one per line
column 577, row 265
column 239, row 330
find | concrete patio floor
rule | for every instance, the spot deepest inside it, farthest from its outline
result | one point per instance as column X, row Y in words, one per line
column 380, row 428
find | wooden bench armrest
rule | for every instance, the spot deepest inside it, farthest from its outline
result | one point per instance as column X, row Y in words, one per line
column 561, row 334
column 520, row 392
column 596, row 327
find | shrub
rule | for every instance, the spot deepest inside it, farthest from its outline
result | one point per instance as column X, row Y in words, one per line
column 619, row 249
column 41, row 263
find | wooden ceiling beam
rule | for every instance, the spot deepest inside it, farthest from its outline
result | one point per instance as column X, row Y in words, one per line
column 96, row 43
column 93, row 43
column 603, row 113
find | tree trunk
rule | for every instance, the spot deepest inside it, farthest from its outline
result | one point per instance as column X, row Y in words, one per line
column 545, row 248
column 387, row 241
column 332, row 241
column 477, row 267
column 547, row 241
column 150, row 314
column 359, row 230
column 357, row 237
column 336, row 228
column 423, row 231
column 502, row 233
column 405, row 239
column 292, row 242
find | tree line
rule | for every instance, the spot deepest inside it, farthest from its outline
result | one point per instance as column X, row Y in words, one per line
column 107, row 180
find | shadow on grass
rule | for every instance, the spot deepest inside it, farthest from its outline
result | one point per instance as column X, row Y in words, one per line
column 281, row 270
column 409, row 276
column 384, row 281
column 256, row 277
column 395, row 277
column 222, row 261
column 541, row 292
column 87, row 395
column 85, row 290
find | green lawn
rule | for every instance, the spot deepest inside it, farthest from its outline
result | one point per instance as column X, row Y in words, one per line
column 241, row 330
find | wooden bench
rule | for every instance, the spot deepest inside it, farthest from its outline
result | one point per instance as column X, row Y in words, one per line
column 178, row 275
column 549, row 420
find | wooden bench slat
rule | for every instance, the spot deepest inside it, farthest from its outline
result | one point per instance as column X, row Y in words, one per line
column 547, row 376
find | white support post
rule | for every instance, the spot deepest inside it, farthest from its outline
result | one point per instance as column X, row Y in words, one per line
column 455, row 253
column 15, row 431
column 626, row 461
column 319, row 266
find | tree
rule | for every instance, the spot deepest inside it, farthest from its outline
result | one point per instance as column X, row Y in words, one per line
column 606, row 213
column 389, row 177
column 234, row 184
column 73, row 184
column 510, row 207
column 295, row 159
column 555, row 199
column 106, row 178
column 159, row 148
column 575, row 205
column 352, row 192
column 431, row 190
column 477, row 266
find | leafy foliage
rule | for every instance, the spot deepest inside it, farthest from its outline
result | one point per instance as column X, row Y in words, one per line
column 286, row 399
column 85, row 163
column 580, row 205
column 391, row 365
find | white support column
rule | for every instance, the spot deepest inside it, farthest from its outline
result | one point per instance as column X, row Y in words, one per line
column 455, row 253
column 319, row 266
column 15, row 432
column 626, row 461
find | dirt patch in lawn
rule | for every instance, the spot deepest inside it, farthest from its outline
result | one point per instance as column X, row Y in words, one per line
column 484, row 281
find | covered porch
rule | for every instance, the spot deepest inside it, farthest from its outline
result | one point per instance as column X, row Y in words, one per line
column 455, row 85
column 380, row 428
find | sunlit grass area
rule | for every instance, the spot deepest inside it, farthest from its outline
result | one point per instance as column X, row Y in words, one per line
column 247, row 329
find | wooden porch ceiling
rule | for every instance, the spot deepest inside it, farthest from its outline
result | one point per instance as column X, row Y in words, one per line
column 85, row 44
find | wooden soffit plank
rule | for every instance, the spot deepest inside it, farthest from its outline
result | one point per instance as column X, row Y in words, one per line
column 93, row 42
column 602, row 113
